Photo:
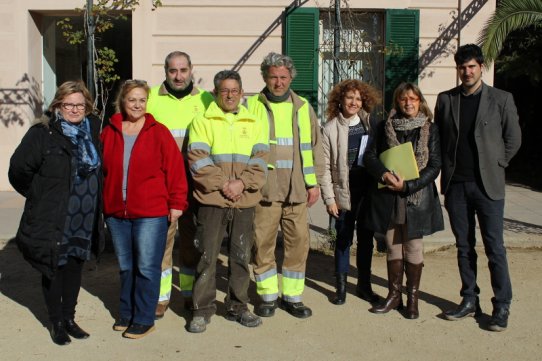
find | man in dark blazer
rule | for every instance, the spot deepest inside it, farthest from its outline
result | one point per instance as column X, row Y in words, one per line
column 479, row 133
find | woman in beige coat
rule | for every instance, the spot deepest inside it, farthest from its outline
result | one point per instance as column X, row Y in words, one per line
column 345, row 181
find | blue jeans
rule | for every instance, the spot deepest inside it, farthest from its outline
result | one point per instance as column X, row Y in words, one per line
column 464, row 201
column 139, row 245
column 345, row 226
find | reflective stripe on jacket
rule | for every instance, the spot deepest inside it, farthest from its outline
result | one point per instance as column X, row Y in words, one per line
column 177, row 114
column 227, row 146
column 295, row 145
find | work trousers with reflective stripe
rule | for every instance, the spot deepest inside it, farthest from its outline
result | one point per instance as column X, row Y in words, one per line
column 293, row 222
column 213, row 222
column 188, row 257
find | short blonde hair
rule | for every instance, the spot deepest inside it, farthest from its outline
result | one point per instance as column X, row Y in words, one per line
column 72, row 87
column 127, row 87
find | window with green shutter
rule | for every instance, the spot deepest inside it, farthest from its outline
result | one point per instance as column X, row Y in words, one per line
column 401, row 59
column 301, row 44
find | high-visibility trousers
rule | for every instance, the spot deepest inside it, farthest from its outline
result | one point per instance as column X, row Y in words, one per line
column 293, row 221
column 188, row 258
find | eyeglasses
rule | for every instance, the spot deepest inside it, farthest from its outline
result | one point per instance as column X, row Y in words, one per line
column 233, row 92
column 70, row 106
column 412, row 99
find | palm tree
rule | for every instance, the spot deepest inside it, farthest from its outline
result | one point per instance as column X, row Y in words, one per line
column 510, row 15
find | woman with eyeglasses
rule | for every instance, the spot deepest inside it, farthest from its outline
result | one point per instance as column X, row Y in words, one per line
column 57, row 168
column 405, row 210
column 144, row 189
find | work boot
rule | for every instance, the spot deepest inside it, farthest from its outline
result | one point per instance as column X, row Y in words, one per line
column 198, row 324
column 266, row 309
column 161, row 309
column 413, row 275
column 59, row 334
column 296, row 309
column 74, row 330
column 340, row 296
column 395, row 281
column 467, row 308
column 499, row 319
column 245, row 318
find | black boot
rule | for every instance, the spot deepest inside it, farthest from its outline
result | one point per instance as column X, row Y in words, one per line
column 59, row 334
column 364, row 257
column 395, row 281
column 74, row 330
column 413, row 275
column 364, row 289
column 340, row 297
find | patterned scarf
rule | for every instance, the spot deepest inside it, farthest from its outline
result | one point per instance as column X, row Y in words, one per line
column 421, row 153
column 80, row 136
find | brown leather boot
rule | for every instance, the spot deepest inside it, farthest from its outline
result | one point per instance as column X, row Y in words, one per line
column 413, row 275
column 395, row 280
column 161, row 309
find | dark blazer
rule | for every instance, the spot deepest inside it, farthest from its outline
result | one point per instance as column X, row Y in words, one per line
column 497, row 135
column 423, row 219
column 41, row 170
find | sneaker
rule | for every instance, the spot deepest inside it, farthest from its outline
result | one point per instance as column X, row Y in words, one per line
column 245, row 318
column 198, row 324
column 121, row 324
column 499, row 320
column 136, row 331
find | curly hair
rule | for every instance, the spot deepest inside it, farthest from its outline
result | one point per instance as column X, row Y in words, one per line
column 370, row 97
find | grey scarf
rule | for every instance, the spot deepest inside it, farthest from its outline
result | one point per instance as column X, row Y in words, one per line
column 421, row 153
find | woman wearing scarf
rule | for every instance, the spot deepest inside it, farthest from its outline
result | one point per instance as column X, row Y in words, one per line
column 405, row 211
column 57, row 169
column 345, row 182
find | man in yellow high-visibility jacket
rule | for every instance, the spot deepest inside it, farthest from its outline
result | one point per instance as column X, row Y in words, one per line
column 227, row 153
column 175, row 103
column 296, row 163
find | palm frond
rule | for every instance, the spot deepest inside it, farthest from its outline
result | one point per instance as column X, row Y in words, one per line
column 509, row 16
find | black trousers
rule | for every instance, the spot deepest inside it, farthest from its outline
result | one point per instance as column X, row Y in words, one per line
column 61, row 292
column 464, row 201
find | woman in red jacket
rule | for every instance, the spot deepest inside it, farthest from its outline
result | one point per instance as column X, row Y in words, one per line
column 144, row 189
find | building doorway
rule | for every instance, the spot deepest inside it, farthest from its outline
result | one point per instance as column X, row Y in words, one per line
column 63, row 61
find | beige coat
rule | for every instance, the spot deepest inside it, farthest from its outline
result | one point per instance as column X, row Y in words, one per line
column 335, row 187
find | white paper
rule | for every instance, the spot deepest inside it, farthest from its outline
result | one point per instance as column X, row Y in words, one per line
column 362, row 147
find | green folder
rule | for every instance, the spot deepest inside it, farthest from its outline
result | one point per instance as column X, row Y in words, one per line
column 400, row 159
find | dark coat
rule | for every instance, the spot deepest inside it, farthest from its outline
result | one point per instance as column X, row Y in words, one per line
column 497, row 135
column 423, row 219
column 41, row 170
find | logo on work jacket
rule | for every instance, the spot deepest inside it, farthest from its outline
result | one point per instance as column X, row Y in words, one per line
column 244, row 132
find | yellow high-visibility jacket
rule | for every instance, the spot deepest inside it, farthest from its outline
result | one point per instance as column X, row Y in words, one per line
column 227, row 146
column 177, row 114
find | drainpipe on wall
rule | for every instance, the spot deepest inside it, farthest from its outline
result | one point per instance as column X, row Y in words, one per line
column 90, row 48
column 459, row 25
column 337, row 42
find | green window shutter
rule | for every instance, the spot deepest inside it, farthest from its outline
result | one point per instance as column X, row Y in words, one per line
column 401, row 59
column 301, row 44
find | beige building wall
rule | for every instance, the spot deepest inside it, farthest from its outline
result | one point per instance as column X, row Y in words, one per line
column 217, row 34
